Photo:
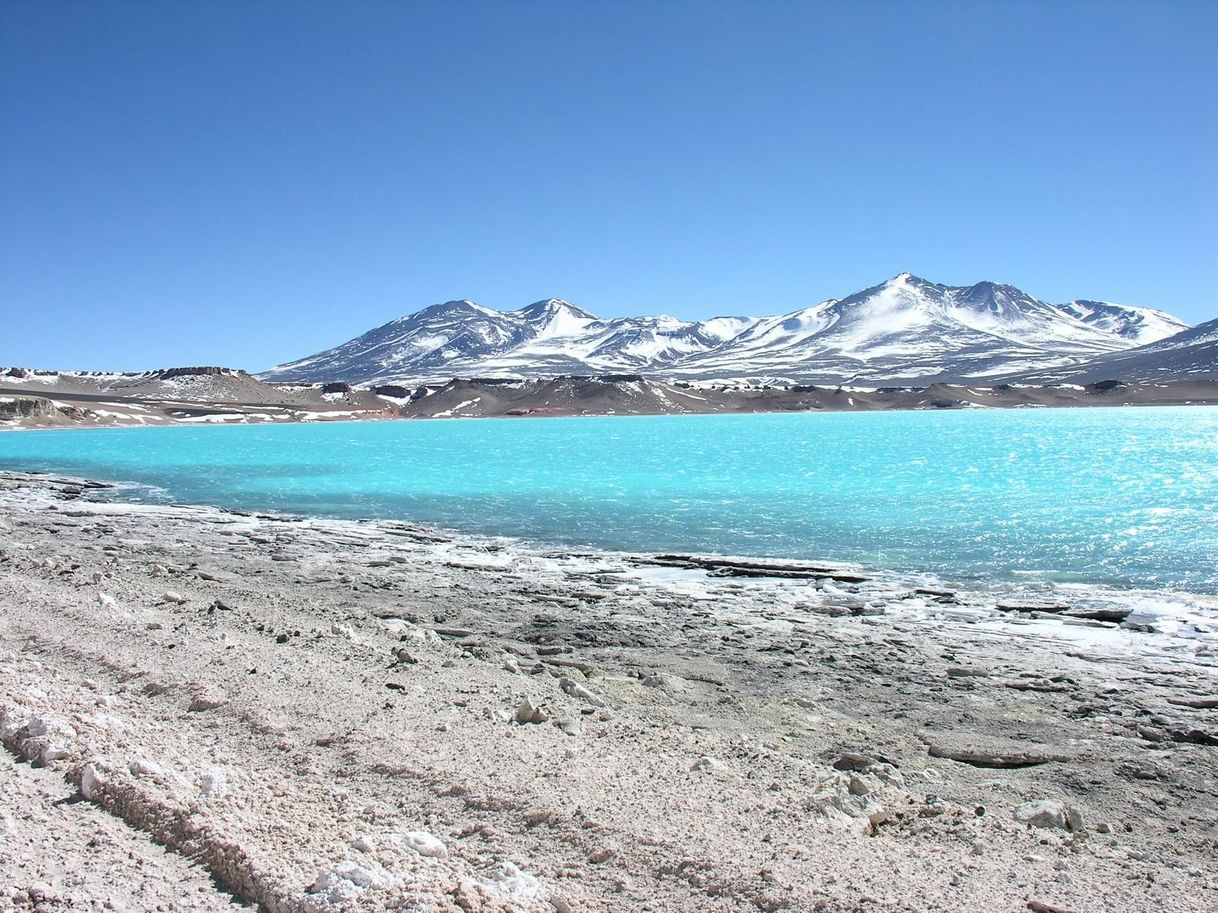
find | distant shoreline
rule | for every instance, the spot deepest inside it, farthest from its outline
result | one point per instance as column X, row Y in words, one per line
column 172, row 399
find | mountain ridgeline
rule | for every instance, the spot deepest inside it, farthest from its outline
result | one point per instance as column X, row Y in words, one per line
column 905, row 330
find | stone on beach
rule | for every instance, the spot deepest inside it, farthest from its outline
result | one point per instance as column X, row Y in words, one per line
column 142, row 767
column 344, row 882
column 1049, row 813
column 92, row 782
column 528, row 712
column 423, row 843
column 207, row 700
column 213, row 784
column 575, row 689
column 992, row 752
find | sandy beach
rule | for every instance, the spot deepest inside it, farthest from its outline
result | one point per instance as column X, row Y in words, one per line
column 207, row 710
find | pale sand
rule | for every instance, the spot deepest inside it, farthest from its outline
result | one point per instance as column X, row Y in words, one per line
column 280, row 699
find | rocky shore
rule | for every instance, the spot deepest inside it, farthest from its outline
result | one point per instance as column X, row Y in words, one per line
column 206, row 710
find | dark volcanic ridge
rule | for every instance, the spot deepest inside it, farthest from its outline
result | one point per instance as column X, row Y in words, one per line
column 637, row 395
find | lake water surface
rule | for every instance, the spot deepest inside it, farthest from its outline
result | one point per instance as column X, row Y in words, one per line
column 1124, row 496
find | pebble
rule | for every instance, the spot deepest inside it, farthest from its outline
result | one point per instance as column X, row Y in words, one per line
column 343, row 882
column 423, row 843
column 528, row 712
column 46, row 725
column 516, row 885
column 404, row 657
column 575, row 689
column 208, row 700
column 1049, row 813
column 772, row 901
column 142, row 767
column 91, row 782
column 55, row 751
column 213, row 784
column 854, row 762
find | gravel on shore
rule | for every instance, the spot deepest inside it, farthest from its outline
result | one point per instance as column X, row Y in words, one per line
column 202, row 710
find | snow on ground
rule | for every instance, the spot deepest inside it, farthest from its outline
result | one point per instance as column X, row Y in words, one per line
column 448, row 413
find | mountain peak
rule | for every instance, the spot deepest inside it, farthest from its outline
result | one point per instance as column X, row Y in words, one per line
column 553, row 306
column 907, row 279
column 554, row 317
column 907, row 284
column 458, row 304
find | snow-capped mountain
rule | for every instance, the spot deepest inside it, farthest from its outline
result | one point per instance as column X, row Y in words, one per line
column 1189, row 355
column 908, row 329
column 903, row 330
column 544, row 339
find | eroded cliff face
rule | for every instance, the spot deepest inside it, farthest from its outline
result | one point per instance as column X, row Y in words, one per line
column 21, row 407
column 38, row 412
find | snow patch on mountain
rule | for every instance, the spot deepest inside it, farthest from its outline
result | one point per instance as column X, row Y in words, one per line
column 1141, row 325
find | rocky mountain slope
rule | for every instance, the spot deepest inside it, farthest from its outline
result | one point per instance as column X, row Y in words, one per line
column 636, row 395
column 1189, row 355
column 199, row 395
column 611, row 394
column 903, row 330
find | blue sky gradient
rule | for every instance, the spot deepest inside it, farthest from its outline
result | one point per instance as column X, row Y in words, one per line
column 244, row 183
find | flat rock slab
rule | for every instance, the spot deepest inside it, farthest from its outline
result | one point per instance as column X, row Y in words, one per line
column 1197, row 703
column 1100, row 613
column 984, row 752
column 1051, row 608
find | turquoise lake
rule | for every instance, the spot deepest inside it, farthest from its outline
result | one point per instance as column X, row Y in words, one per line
column 1118, row 496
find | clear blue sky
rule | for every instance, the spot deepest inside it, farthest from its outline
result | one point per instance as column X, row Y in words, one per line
column 244, row 183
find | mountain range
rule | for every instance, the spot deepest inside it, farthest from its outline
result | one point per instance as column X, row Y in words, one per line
column 904, row 330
